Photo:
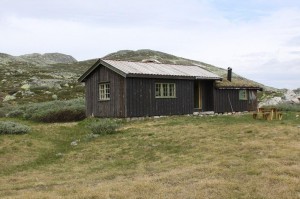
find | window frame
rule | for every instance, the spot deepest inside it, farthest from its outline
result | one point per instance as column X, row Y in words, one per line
column 104, row 91
column 243, row 94
column 165, row 90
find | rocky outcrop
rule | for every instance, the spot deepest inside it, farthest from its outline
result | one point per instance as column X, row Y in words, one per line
column 37, row 59
column 289, row 97
column 49, row 58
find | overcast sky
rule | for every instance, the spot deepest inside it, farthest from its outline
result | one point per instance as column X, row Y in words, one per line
column 259, row 39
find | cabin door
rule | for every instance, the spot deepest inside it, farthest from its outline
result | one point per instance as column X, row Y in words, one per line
column 198, row 94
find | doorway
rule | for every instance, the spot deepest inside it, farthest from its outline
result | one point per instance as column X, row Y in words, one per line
column 198, row 95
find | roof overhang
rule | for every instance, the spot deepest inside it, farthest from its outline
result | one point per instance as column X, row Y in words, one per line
column 209, row 78
column 240, row 88
column 93, row 67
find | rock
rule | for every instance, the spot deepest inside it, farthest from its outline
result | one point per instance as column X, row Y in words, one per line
column 8, row 98
column 74, row 143
column 296, row 100
column 19, row 71
column 25, row 87
column 47, row 92
column 271, row 102
column 54, row 97
column 289, row 95
column 207, row 113
column 156, row 117
column 27, row 93
column 195, row 113
column 66, row 85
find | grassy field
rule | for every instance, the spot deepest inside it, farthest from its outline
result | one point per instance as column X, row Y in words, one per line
column 174, row 157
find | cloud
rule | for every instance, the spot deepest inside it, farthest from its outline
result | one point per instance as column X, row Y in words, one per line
column 295, row 41
column 263, row 41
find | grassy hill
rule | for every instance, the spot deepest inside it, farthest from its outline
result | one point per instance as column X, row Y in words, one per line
column 37, row 78
column 174, row 157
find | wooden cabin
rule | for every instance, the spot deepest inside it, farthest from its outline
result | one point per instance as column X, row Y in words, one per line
column 235, row 94
column 135, row 89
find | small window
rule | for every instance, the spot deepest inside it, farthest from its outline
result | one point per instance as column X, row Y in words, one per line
column 243, row 95
column 104, row 91
column 165, row 90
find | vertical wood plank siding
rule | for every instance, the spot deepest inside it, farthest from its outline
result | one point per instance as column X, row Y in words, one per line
column 222, row 102
column 115, row 107
column 141, row 99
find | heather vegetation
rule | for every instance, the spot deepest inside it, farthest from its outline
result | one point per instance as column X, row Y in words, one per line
column 103, row 126
column 7, row 127
column 53, row 111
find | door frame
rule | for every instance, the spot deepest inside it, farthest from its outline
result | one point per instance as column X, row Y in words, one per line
column 198, row 96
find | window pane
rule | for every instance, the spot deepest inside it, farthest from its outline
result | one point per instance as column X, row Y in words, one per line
column 165, row 90
column 243, row 95
column 157, row 90
column 104, row 91
column 172, row 90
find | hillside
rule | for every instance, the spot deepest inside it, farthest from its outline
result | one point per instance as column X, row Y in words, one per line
column 42, row 77
column 139, row 55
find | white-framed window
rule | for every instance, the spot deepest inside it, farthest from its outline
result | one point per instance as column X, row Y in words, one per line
column 104, row 91
column 243, row 95
column 165, row 90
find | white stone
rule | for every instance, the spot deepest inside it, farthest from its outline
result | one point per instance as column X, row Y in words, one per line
column 54, row 97
column 271, row 102
column 289, row 95
column 296, row 100
column 8, row 98
column 74, row 143
column 25, row 87
column 27, row 93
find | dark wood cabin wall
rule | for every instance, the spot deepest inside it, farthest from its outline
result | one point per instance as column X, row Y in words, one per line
column 223, row 97
column 90, row 93
column 115, row 107
column 141, row 99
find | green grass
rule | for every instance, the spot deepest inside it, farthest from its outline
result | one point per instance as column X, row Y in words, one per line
column 173, row 157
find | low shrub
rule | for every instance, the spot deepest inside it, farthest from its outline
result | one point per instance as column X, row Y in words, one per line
column 104, row 126
column 15, row 113
column 62, row 115
column 2, row 113
column 286, row 107
column 56, row 111
column 13, row 128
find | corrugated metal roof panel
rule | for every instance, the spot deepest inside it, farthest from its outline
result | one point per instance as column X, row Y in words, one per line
column 161, row 69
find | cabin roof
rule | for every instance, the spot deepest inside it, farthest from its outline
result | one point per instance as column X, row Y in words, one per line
column 150, row 69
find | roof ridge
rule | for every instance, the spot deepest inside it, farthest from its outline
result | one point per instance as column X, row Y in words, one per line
column 198, row 65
